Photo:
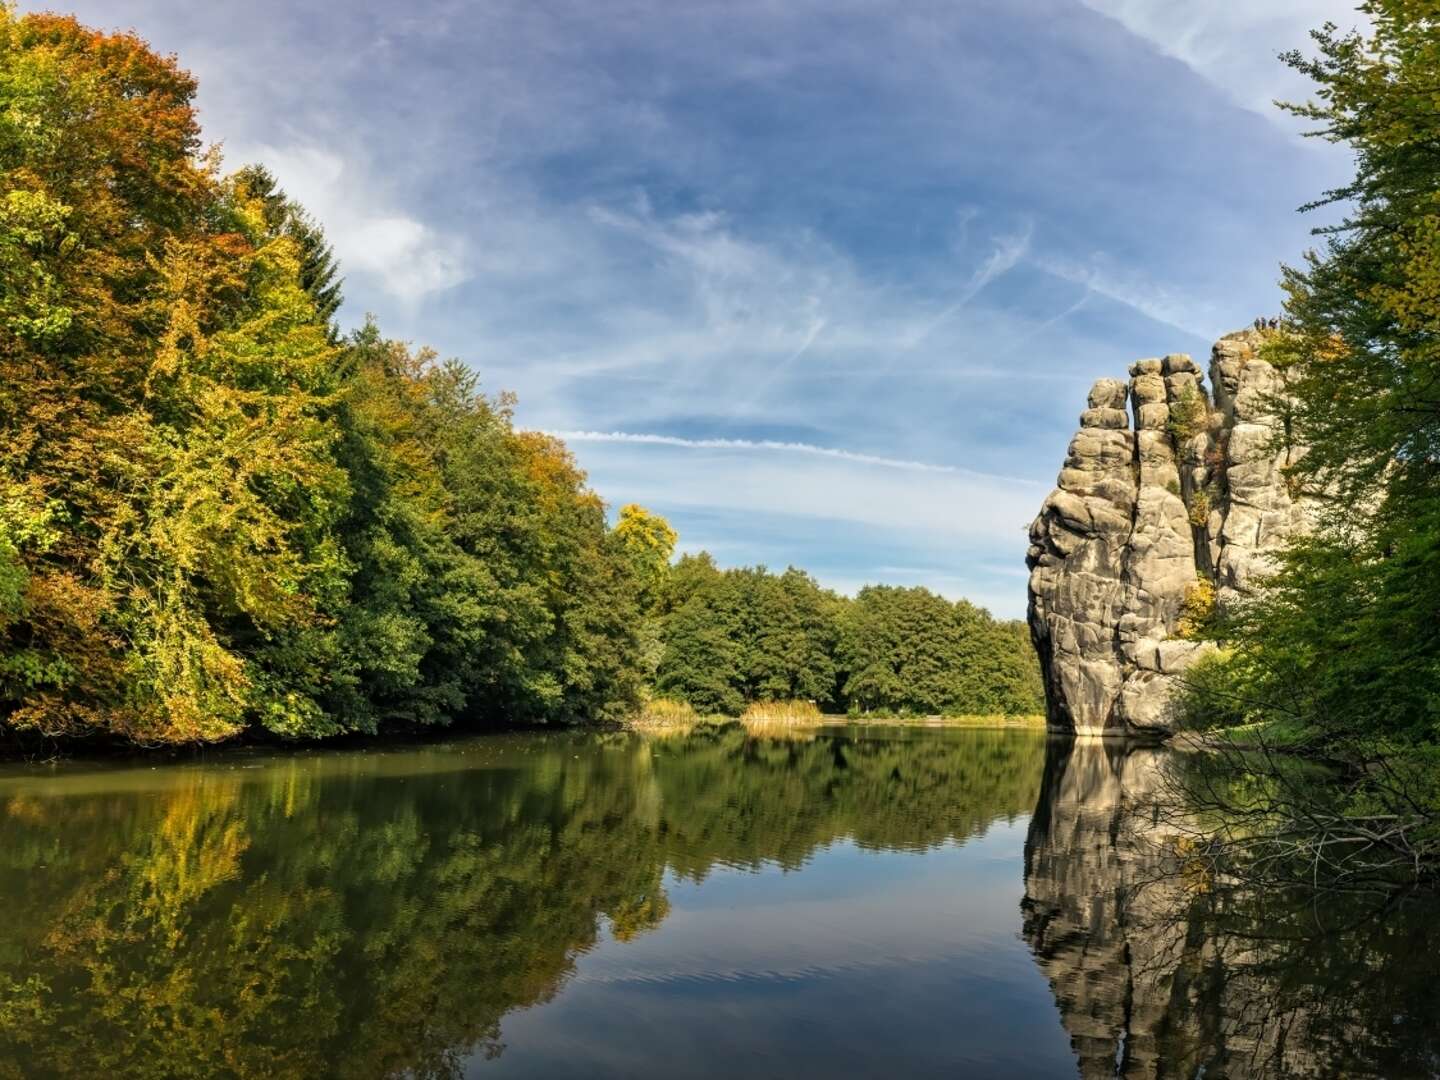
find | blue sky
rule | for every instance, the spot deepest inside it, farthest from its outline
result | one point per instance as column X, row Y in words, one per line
column 822, row 281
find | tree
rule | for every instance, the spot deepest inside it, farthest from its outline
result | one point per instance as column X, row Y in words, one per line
column 161, row 387
column 1338, row 653
column 282, row 216
column 216, row 517
column 648, row 542
column 701, row 659
column 1346, row 637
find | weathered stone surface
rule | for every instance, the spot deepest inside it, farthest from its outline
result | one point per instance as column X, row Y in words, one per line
column 1193, row 488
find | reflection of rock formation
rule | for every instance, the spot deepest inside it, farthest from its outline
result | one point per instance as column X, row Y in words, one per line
column 1078, row 873
column 1194, row 491
column 1162, row 973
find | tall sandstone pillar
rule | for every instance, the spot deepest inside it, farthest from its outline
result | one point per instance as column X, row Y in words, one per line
column 1164, row 491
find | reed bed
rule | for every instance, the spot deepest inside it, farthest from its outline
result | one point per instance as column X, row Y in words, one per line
column 785, row 713
column 666, row 715
column 975, row 720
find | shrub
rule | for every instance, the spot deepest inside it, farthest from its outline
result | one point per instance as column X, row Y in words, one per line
column 1197, row 611
column 1188, row 413
column 1200, row 509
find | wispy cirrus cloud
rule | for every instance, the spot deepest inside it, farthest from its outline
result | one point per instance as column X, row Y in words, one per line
column 770, row 264
column 1145, row 293
column 1006, row 255
column 1235, row 45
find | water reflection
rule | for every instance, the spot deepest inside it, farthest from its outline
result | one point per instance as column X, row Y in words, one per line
column 1162, row 970
column 579, row 905
column 378, row 914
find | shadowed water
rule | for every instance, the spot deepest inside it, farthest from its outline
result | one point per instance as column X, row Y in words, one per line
column 851, row 903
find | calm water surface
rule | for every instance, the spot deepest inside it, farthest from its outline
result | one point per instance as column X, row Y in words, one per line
column 875, row 902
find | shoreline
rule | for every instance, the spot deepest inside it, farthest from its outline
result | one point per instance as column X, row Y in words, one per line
column 683, row 725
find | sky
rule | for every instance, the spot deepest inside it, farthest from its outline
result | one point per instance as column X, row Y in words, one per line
column 824, row 282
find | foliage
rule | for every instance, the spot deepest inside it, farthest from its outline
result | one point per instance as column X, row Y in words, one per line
column 737, row 637
column 648, row 542
column 281, row 216
column 1188, row 414
column 1197, row 610
column 1342, row 642
column 217, row 517
column 912, row 651
column 1350, row 631
column 1199, row 509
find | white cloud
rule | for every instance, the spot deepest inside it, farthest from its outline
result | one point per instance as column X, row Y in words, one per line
column 1234, row 43
column 406, row 257
column 964, row 510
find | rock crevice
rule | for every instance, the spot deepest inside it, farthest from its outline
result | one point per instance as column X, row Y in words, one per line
column 1171, row 495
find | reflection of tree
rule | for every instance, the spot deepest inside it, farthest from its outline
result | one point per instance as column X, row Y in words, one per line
column 372, row 915
column 740, row 800
column 1164, row 965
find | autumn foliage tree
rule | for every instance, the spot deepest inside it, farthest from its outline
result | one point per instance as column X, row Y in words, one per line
column 216, row 515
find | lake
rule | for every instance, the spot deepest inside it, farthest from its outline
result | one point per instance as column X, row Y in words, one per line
column 848, row 902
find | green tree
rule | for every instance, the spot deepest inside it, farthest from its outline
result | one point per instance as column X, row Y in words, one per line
column 282, row 216
column 1346, row 637
column 701, row 660
column 1339, row 651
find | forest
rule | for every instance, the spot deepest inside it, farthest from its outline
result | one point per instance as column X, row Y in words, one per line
column 735, row 637
column 223, row 515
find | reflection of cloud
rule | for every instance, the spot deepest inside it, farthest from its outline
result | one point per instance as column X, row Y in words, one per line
column 408, row 258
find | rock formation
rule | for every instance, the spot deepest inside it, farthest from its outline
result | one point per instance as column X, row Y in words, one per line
column 1150, row 526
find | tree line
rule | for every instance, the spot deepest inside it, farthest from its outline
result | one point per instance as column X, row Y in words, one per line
column 730, row 638
column 220, row 513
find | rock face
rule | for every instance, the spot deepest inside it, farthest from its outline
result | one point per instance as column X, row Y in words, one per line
column 1170, row 498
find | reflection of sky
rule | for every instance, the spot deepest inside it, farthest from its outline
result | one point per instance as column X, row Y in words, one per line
column 717, row 240
column 857, row 963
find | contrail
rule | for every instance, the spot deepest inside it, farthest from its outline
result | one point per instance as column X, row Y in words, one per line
column 644, row 438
